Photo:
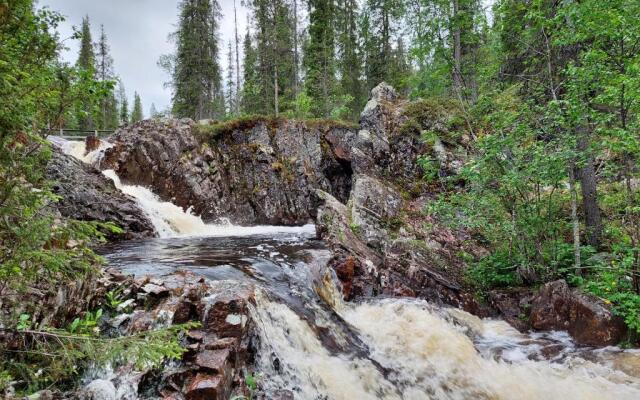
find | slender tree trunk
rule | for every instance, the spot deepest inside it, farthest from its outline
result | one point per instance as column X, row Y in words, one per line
column 457, row 50
column 589, row 186
column 237, row 100
column 275, row 87
column 296, row 89
column 574, row 218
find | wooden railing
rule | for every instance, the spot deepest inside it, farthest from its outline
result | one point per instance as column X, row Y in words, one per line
column 77, row 134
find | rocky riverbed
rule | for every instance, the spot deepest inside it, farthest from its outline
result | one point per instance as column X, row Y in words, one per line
column 311, row 311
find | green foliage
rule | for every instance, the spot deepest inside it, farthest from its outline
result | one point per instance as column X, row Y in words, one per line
column 496, row 270
column 87, row 325
column 61, row 356
column 196, row 75
column 113, row 299
column 137, row 113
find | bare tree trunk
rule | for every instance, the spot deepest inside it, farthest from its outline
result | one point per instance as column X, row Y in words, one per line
column 589, row 186
column 237, row 100
column 275, row 87
column 574, row 218
column 295, row 51
column 457, row 51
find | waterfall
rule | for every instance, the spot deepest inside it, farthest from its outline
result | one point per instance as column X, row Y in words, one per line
column 170, row 220
column 418, row 352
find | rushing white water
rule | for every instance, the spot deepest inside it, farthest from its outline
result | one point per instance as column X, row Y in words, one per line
column 172, row 221
column 168, row 219
column 417, row 353
column 78, row 150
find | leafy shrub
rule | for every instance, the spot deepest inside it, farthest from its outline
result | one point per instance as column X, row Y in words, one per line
column 496, row 270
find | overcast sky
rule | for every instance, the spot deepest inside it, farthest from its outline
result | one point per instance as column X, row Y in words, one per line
column 137, row 31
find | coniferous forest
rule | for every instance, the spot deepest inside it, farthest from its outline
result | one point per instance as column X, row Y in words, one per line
column 523, row 117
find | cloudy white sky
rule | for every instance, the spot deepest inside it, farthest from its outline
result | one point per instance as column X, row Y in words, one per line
column 138, row 32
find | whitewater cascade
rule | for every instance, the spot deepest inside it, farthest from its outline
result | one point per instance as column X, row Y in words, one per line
column 168, row 219
column 319, row 347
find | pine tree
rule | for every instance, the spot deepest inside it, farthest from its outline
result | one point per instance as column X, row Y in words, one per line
column 153, row 112
column 86, row 57
column 107, row 113
column 249, row 97
column 86, row 62
column 349, row 58
column 274, row 45
column 196, row 74
column 230, row 95
column 237, row 60
column 319, row 57
column 136, row 113
column 124, row 105
column 379, row 26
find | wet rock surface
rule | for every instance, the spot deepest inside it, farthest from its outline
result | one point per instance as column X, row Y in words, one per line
column 87, row 195
column 588, row 319
column 378, row 251
column 261, row 173
column 216, row 352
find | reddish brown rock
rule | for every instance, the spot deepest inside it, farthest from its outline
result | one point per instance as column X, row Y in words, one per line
column 212, row 343
column 585, row 317
column 91, row 143
column 179, row 308
column 207, row 387
column 141, row 321
column 213, row 360
column 226, row 312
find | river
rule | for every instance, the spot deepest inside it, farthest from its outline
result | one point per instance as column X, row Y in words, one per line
column 319, row 347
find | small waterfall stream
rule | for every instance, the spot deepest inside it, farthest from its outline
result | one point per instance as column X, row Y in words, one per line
column 318, row 347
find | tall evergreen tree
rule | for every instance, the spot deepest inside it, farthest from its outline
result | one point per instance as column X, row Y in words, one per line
column 250, row 94
column 136, row 113
column 349, row 58
column 196, row 74
column 237, row 59
column 86, row 63
column 274, row 44
column 153, row 112
column 124, row 104
column 107, row 115
column 230, row 95
column 86, row 57
column 319, row 57
column 380, row 21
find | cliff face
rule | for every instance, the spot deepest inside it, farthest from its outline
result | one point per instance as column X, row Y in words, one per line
column 259, row 172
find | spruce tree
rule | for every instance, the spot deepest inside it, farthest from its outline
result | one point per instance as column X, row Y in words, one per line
column 349, row 58
column 107, row 113
column 275, row 56
column 319, row 57
column 124, row 105
column 136, row 113
column 153, row 112
column 250, row 95
column 230, row 82
column 196, row 75
column 86, row 63
column 86, row 57
column 380, row 22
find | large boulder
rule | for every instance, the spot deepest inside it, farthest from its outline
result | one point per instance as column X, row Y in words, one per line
column 258, row 171
column 87, row 195
column 373, row 207
column 586, row 317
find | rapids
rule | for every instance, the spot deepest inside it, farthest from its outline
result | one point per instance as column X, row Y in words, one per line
column 318, row 347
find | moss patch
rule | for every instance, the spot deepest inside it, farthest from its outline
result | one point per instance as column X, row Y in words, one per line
column 217, row 129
